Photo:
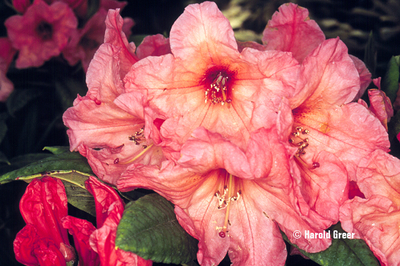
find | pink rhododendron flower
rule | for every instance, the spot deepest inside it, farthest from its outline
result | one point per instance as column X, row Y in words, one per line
column 206, row 82
column 376, row 219
column 109, row 209
column 43, row 206
column 332, row 133
column 225, row 115
column 108, row 136
column 231, row 214
column 41, row 33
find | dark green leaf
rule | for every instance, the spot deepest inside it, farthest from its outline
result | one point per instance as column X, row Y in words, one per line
column 19, row 98
column 390, row 82
column 342, row 252
column 63, row 161
column 149, row 229
column 3, row 129
column 3, row 158
column 57, row 149
column 21, row 161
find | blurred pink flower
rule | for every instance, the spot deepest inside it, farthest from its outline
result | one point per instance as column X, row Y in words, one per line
column 376, row 219
column 41, row 33
column 84, row 42
column 43, row 241
column 21, row 5
column 6, row 56
column 109, row 137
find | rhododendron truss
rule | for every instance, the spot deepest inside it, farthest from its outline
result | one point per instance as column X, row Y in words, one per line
column 108, row 136
column 222, row 117
column 330, row 132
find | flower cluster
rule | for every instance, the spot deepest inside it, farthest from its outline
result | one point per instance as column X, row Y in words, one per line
column 44, row 240
column 244, row 139
column 46, row 28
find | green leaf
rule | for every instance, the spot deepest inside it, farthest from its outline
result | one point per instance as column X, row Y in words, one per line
column 57, row 149
column 149, row 229
column 3, row 128
column 62, row 161
column 3, row 158
column 21, row 97
column 342, row 252
column 390, row 82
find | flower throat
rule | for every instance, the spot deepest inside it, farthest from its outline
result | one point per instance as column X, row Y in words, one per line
column 218, row 85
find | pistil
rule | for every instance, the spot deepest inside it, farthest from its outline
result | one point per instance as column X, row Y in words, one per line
column 224, row 202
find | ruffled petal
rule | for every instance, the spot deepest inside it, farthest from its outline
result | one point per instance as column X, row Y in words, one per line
column 291, row 30
column 115, row 36
column 350, row 132
column 202, row 31
column 154, row 45
column 327, row 75
column 376, row 221
column 324, row 186
column 381, row 106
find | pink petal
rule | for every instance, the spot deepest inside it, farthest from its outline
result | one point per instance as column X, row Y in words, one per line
column 291, row 30
column 115, row 36
column 198, row 25
column 381, row 106
column 102, row 78
column 376, row 221
column 324, row 186
column 350, row 132
column 111, row 141
column 252, row 215
column 327, row 75
column 154, row 45
column 365, row 75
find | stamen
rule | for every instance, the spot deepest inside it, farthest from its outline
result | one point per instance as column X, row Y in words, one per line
column 301, row 144
column 140, row 154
